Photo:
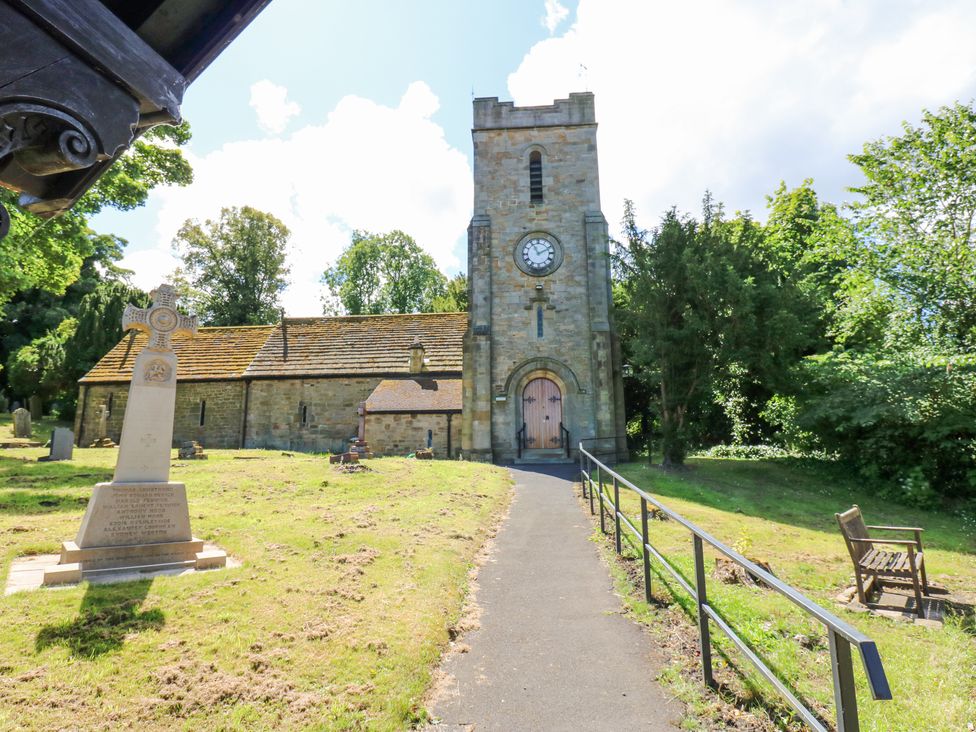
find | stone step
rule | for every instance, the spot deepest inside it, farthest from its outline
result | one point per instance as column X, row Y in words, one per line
column 544, row 460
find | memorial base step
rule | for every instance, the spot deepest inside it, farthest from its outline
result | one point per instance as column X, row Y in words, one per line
column 77, row 563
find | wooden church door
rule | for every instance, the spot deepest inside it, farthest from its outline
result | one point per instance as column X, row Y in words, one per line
column 542, row 412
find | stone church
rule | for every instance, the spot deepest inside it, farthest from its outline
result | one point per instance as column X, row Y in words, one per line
column 530, row 372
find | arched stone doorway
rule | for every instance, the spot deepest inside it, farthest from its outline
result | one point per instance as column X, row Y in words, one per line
column 542, row 414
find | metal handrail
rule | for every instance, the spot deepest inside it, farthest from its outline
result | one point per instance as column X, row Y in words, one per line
column 564, row 437
column 840, row 634
column 520, row 438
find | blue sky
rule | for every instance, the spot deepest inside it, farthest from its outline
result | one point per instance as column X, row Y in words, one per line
column 342, row 115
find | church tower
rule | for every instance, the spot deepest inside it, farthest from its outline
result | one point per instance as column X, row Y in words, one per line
column 541, row 358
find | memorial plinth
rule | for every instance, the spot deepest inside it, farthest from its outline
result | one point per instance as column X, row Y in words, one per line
column 141, row 521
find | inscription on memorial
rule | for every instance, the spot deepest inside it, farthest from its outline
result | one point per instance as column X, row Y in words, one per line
column 144, row 514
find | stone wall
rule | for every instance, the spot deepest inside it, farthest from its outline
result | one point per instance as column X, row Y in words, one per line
column 276, row 407
column 274, row 416
column 222, row 417
column 400, row 433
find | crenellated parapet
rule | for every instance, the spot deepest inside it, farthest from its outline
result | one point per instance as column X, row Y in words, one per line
column 490, row 114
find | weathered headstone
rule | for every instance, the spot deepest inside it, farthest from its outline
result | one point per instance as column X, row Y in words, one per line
column 358, row 445
column 191, row 450
column 101, row 429
column 22, row 423
column 62, row 445
column 36, row 407
column 141, row 519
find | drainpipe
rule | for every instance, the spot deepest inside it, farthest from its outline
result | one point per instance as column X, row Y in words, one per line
column 449, row 415
column 247, row 395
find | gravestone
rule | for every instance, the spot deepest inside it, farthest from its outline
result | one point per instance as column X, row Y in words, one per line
column 191, row 450
column 101, row 429
column 141, row 520
column 22, row 423
column 62, row 445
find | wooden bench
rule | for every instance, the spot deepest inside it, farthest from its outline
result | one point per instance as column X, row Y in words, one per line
column 872, row 564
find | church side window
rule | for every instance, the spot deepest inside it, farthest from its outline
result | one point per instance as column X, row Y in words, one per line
column 203, row 411
column 111, row 398
column 304, row 415
column 535, row 177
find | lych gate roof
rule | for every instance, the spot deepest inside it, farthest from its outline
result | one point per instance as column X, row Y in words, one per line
column 418, row 394
column 213, row 353
column 362, row 344
column 326, row 346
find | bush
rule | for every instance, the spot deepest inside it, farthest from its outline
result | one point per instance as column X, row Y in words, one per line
column 746, row 452
column 908, row 421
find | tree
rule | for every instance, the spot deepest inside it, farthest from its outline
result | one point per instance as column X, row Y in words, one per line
column 49, row 255
column 99, row 324
column 705, row 314
column 455, row 297
column 39, row 367
column 48, row 267
column 235, row 266
column 917, row 216
column 384, row 273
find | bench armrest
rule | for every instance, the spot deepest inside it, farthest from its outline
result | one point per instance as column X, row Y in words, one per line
column 898, row 542
column 894, row 528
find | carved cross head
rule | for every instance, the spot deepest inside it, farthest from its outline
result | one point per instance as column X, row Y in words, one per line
column 160, row 320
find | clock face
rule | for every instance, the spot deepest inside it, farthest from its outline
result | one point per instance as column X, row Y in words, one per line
column 538, row 254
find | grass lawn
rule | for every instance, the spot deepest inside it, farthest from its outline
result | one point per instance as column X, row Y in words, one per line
column 349, row 586
column 782, row 511
column 41, row 429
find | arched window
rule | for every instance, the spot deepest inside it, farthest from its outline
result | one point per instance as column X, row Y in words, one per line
column 535, row 177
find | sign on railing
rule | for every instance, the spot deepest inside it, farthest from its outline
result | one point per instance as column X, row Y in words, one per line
column 840, row 635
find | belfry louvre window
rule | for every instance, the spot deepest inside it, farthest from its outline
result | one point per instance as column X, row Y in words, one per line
column 535, row 177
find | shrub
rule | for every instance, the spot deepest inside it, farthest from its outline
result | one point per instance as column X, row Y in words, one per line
column 907, row 420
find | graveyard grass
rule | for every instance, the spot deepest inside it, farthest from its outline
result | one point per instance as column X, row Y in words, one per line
column 782, row 511
column 349, row 588
column 41, row 429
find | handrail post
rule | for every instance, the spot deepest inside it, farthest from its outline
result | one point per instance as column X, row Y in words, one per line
column 599, row 487
column 701, row 600
column 845, row 697
column 645, row 537
column 616, row 513
column 589, row 477
column 583, row 483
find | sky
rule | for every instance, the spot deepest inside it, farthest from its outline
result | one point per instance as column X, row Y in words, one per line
column 336, row 115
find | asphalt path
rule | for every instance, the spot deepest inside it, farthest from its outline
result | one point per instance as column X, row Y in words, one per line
column 553, row 651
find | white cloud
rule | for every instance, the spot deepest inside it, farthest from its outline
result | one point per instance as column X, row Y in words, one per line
column 274, row 110
column 736, row 96
column 366, row 167
column 556, row 13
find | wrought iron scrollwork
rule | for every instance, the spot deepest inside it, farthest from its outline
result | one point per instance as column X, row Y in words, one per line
column 45, row 140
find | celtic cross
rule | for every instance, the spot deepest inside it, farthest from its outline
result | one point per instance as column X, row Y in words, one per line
column 160, row 320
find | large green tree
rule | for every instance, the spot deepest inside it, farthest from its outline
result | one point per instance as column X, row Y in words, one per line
column 703, row 314
column 48, row 267
column 384, row 273
column 234, row 268
column 48, row 255
column 455, row 297
column 916, row 216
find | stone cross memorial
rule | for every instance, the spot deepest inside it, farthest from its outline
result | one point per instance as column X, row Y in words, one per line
column 140, row 521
